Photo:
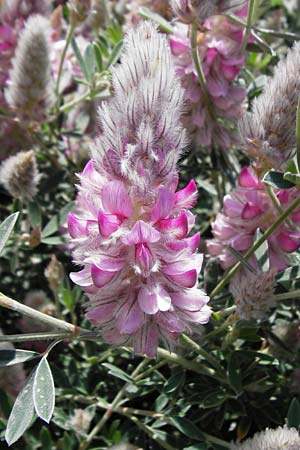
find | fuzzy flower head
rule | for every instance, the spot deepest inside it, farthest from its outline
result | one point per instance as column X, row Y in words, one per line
column 30, row 90
column 269, row 131
column 253, row 294
column 19, row 175
column 282, row 438
column 190, row 10
column 131, row 227
column 12, row 378
column 247, row 209
column 219, row 47
column 12, row 10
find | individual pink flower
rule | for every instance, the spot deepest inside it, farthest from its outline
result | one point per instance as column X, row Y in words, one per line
column 219, row 47
column 131, row 229
column 248, row 209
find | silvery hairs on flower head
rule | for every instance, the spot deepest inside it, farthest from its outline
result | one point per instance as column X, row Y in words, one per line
column 282, row 438
column 269, row 131
column 30, row 91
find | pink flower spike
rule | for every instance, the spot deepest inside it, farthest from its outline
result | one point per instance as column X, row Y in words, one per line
column 154, row 299
column 250, row 211
column 141, row 233
column 108, row 223
column 77, row 228
column 164, row 204
column 101, row 277
column 116, row 200
column 186, row 197
column 287, row 243
column 177, row 226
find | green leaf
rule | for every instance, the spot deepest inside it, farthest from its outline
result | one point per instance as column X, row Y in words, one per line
column 293, row 414
column 186, row 427
column 45, row 438
column 118, row 373
column 163, row 24
column 200, row 446
column 174, row 382
column 54, row 240
column 43, row 391
column 11, row 357
column 35, row 215
column 6, row 228
column 115, row 54
column 292, row 177
column 262, row 253
column 89, row 60
column 289, row 274
column 241, row 258
column 98, row 57
column 276, row 180
column 80, row 59
column 234, row 372
column 57, row 221
column 22, row 413
column 298, row 133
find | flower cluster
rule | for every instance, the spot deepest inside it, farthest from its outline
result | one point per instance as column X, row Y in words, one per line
column 278, row 439
column 131, row 226
column 219, row 47
column 247, row 209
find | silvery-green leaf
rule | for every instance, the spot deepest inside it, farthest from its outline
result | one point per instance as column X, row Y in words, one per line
column 11, row 357
column 6, row 228
column 43, row 391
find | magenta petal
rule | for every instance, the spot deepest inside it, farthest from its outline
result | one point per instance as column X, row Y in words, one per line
column 141, row 233
column 101, row 277
column 186, row 279
column 248, row 179
column 82, row 278
column 116, row 200
column 177, row 226
column 130, row 318
column 163, row 206
column 287, row 243
column 250, row 211
column 191, row 243
column 77, row 228
column 187, row 197
column 108, row 223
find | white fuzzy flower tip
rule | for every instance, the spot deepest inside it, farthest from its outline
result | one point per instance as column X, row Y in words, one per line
column 283, row 438
column 30, row 90
column 269, row 131
column 131, row 228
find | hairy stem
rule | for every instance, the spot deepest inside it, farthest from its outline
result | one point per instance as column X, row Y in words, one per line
column 63, row 55
column 252, row 5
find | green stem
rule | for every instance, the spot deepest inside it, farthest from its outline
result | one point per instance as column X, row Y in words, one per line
column 67, row 106
column 255, row 246
column 277, row 203
column 199, row 70
column 252, row 5
column 86, row 443
column 36, row 336
column 9, row 303
column 192, row 345
column 287, row 295
column 217, row 441
column 63, row 55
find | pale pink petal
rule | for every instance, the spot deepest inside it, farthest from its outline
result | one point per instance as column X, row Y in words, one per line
column 77, row 228
column 163, row 205
column 193, row 300
column 82, row 278
column 248, row 179
column 101, row 277
column 129, row 318
column 141, row 233
column 116, row 200
column 146, row 340
column 144, row 257
column 102, row 313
